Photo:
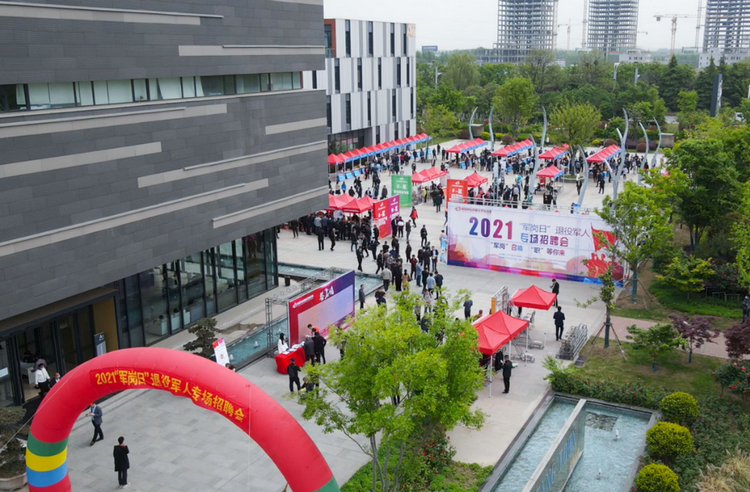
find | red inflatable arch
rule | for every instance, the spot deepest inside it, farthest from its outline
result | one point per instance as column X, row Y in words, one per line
column 206, row 383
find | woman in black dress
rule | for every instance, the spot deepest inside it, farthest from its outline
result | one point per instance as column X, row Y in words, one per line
column 121, row 462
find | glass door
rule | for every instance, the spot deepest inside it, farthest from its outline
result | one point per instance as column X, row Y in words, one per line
column 69, row 344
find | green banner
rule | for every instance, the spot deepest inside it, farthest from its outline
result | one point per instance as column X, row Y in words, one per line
column 401, row 186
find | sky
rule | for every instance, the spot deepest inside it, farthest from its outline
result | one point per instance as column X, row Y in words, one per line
column 466, row 24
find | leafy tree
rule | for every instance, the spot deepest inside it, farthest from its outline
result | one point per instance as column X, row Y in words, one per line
column 677, row 78
column 656, row 341
column 593, row 68
column 514, row 102
column 741, row 237
column 397, row 385
column 205, row 335
column 640, row 224
column 704, row 85
column 496, row 73
column 736, row 81
column 696, row 331
column 447, row 96
column 712, row 188
column 737, row 340
column 439, row 121
column 744, row 108
column 687, row 101
column 461, row 71
column 576, row 122
column 538, row 67
column 607, row 295
column 687, row 273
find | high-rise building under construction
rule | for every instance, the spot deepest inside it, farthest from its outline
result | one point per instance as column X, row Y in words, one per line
column 524, row 26
column 727, row 26
column 612, row 25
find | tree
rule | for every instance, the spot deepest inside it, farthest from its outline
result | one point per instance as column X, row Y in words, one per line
column 205, row 335
column 515, row 101
column 447, row 96
column 496, row 73
column 677, row 78
column 704, row 85
column 640, row 225
column 439, row 121
column 606, row 295
column 461, row 71
column 712, row 188
column 687, row 101
column 576, row 122
column 539, row 64
column 397, row 385
column 741, row 237
column 696, row 331
column 656, row 341
column 687, row 273
column 737, row 340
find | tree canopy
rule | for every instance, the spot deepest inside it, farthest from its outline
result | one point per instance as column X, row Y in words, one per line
column 515, row 102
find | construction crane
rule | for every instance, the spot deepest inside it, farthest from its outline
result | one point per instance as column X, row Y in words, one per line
column 568, row 24
column 674, row 18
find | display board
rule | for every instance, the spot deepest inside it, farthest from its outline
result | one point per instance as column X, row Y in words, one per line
column 328, row 304
column 528, row 242
column 401, row 186
column 382, row 213
column 457, row 190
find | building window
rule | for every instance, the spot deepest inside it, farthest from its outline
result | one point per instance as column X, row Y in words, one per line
column 377, row 135
column 393, row 106
column 369, row 108
column 359, row 73
column 348, row 38
column 336, row 76
column 403, row 48
column 408, row 72
column 348, row 111
column 13, row 98
column 282, row 81
column 370, row 41
column 328, row 113
column 398, row 72
column 328, row 40
column 380, row 73
column 395, row 132
column 393, row 39
column 411, row 105
column 315, row 79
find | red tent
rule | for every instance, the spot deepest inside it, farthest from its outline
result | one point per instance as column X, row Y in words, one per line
column 337, row 202
column 427, row 175
column 549, row 172
column 474, row 180
column 604, row 154
column 533, row 297
column 555, row 153
column 463, row 147
column 497, row 330
column 357, row 206
column 514, row 149
column 336, row 159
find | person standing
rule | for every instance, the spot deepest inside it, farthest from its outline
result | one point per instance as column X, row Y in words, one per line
column 362, row 296
column 467, row 308
column 122, row 463
column 430, row 284
column 438, row 284
column 294, row 226
column 413, row 216
column 332, row 236
column 559, row 318
column 321, row 238
column 745, row 308
column 282, row 345
column 360, row 257
column 320, row 347
column 579, row 182
column 386, row 275
column 555, row 289
column 423, row 235
column 507, row 368
column 293, row 371
column 95, row 412
column 309, row 347
column 408, row 230
column 41, row 379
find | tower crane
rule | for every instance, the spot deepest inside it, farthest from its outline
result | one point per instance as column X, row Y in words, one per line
column 568, row 24
column 674, row 18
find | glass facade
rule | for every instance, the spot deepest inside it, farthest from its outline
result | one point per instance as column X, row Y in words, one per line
column 168, row 298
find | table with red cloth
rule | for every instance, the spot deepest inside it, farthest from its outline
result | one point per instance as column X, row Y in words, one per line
column 297, row 353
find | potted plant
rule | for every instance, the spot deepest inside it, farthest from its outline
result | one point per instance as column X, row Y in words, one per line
column 12, row 455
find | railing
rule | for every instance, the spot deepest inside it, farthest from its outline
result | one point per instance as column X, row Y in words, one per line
column 523, row 204
column 572, row 342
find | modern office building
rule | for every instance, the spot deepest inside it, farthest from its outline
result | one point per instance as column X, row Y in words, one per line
column 370, row 82
column 145, row 156
column 727, row 26
column 612, row 25
column 730, row 57
column 524, row 26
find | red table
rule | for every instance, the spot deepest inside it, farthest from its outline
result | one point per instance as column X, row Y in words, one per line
column 283, row 360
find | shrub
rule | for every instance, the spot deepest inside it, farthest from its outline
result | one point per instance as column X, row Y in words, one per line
column 657, row 478
column 498, row 137
column 507, row 139
column 610, row 141
column 725, row 278
column 666, row 441
column 641, row 147
column 485, row 136
column 732, row 476
column 596, row 142
column 679, row 408
column 463, row 134
column 521, row 137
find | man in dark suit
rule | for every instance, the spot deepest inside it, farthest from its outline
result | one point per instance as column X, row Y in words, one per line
column 96, row 413
column 320, row 347
column 293, row 371
column 309, row 346
column 555, row 289
column 559, row 318
column 362, row 296
column 507, row 368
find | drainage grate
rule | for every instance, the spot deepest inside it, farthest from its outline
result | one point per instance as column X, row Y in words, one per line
column 601, row 422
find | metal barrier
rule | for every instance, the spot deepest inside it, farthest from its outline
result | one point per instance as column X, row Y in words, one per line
column 572, row 342
column 524, row 205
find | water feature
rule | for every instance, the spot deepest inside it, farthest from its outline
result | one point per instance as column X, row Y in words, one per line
column 371, row 282
column 614, row 441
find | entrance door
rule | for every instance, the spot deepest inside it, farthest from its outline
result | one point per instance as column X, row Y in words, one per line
column 69, row 343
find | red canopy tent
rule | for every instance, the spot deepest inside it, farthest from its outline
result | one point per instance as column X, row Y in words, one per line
column 474, row 180
column 337, row 202
column 497, row 330
column 463, row 147
column 605, row 154
column 509, row 150
column 549, row 172
column 533, row 297
column 357, row 206
column 427, row 175
column 334, row 159
column 554, row 153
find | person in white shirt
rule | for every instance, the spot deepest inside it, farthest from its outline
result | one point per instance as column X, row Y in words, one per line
column 41, row 379
column 283, row 347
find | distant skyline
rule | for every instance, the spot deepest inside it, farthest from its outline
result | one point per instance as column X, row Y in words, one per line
column 468, row 24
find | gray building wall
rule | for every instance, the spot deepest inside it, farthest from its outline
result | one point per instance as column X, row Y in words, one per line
column 90, row 195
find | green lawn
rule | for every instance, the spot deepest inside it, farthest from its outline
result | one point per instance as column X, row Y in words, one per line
column 673, row 371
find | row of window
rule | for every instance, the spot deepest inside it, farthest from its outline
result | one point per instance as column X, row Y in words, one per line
column 330, row 52
column 337, row 74
column 29, row 97
column 348, row 108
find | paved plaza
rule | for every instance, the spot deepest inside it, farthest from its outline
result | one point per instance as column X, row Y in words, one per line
column 176, row 446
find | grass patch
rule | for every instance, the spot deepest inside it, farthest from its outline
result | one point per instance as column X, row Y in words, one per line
column 458, row 477
column 675, row 300
column 674, row 373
